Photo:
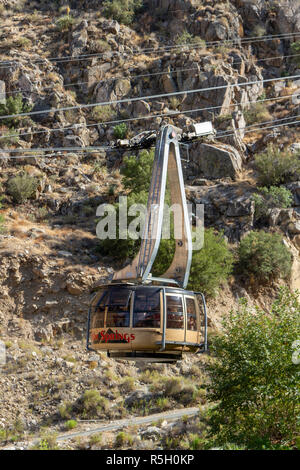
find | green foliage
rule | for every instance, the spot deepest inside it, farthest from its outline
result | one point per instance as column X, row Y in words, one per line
column 71, row 424
column 211, row 265
column 123, row 439
column 95, row 439
column 295, row 46
column 47, row 443
column 93, row 404
column 184, row 38
column 121, row 10
column 65, row 22
column 187, row 38
column 258, row 112
column 137, row 171
column 120, row 131
column 269, row 198
column 277, row 167
column 13, row 105
column 100, row 46
column 204, row 274
column 264, row 257
column 103, row 113
column 194, row 442
column 123, row 249
column 253, row 378
column 22, row 187
column 13, row 433
column 65, row 410
column 259, row 30
column 10, row 137
column 23, row 42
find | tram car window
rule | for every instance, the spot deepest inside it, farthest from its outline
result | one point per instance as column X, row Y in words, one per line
column 191, row 314
column 118, row 312
column 99, row 312
column 146, row 310
column 175, row 317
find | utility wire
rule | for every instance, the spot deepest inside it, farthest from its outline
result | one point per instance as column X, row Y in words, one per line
column 146, row 75
column 194, row 45
column 97, row 148
column 19, row 157
column 151, row 116
column 146, row 98
column 260, row 129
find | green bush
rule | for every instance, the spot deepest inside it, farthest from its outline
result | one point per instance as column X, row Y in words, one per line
column 257, row 113
column 10, row 137
column 263, row 257
column 186, row 38
column 103, row 113
column 211, row 265
column 48, row 442
column 137, row 171
column 253, row 378
column 71, row 424
column 121, row 10
column 13, row 105
column 269, row 198
column 22, row 187
column 295, row 46
column 277, row 167
column 123, row 249
column 95, row 439
column 123, row 439
column 65, row 22
column 93, row 404
column 120, row 131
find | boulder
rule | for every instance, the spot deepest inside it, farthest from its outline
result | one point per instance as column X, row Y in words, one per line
column 96, row 73
column 153, row 432
column 288, row 16
column 215, row 161
column 111, row 27
column 73, row 288
column 165, row 5
column 295, row 148
column 141, row 108
column 79, row 39
column 296, row 241
column 295, row 190
column 227, row 207
column 111, row 91
column 44, row 334
column 294, row 228
column 296, row 97
column 168, row 83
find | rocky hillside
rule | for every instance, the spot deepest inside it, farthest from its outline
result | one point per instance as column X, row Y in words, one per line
column 49, row 256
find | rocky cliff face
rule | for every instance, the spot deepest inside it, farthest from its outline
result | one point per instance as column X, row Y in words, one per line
column 48, row 251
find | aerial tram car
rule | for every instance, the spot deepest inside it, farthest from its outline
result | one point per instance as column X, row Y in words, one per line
column 141, row 317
